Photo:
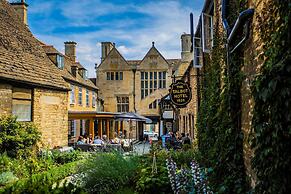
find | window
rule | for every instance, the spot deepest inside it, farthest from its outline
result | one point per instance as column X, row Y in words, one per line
column 85, row 74
column 154, row 104
column 21, row 104
column 60, row 61
column 122, row 104
column 207, row 32
column 162, row 79
column 114, row 75
column 72, row 95
column 80, row 96
column 72, row 127
column 94, row 99
column 87, row 97
column 197, row 53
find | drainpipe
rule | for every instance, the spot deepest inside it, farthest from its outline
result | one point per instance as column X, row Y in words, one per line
column 134, row 71
column 240, row 21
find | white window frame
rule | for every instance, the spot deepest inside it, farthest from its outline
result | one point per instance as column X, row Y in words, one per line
column 72, row 97
column 87, row 98
column 204, row 46
column 199, row 47
column 80, row 93
column 60, row 61
column 94, row 99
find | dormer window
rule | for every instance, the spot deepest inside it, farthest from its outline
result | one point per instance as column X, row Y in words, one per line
column 60, row 61
column 85, row 74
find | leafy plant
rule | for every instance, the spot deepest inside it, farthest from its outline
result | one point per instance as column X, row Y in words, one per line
column 17, row 138
column 107, row 172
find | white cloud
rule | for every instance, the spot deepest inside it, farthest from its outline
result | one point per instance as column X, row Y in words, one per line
column 166, row 21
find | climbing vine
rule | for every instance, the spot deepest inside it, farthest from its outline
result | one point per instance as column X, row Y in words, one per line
column 271, row 138
column 219, row 122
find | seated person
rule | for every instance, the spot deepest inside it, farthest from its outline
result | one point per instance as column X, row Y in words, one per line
column 80, row 140
column 98, row 141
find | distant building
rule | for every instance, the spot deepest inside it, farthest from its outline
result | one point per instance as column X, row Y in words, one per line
column 31, row 86
column 137, row 85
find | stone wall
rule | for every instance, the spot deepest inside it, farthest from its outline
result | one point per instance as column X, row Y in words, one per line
column 5, row 99
column 50, row 114
column 188, row 115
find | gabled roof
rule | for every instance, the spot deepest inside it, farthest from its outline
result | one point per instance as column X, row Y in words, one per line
column 22, row 58
column 152, row 50
column 67, row 71
column 113, row 51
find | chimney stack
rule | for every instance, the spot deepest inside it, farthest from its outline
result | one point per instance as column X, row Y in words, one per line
column 21, row 8
column 186, row 54
column 70, row 50
column 106, row 47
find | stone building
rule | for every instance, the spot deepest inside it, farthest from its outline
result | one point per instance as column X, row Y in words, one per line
column 31, row 86
column 82, row 98
column 239, row 26
column 136, row 85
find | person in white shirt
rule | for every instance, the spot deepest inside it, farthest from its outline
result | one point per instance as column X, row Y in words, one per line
column 98, row 141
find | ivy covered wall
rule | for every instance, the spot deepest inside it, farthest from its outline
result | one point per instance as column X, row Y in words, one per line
column 245, row 115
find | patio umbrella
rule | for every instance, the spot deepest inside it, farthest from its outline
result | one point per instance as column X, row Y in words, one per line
column 131, row 116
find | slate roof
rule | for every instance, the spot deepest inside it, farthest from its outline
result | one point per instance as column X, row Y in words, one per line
column 22, row 59
column 67, row 71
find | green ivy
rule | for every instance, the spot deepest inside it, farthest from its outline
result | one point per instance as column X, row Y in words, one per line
column 271, row 90
column 220, row 139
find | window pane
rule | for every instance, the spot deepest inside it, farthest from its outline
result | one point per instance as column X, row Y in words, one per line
column 121, row 75
column 112, row 75
column 155, row 85
column 146, row 92
column 146, row 75
column 151, row 106
column 21, row 109
column 142, row 94
column 108, row 75
column 123, row 100
column 146, row 84
column 155, row 75
column 116, row 75
column 160, row 83
column 164, row 84
column 164, row 75
column 160, row 75
column 155, row 104
column 142, row 75
column 151, row 75
column 142, row 84
column 126, row 99
column 118, row 100
column 118, row 108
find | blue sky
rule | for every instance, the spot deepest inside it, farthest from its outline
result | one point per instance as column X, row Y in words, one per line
column 132, row 25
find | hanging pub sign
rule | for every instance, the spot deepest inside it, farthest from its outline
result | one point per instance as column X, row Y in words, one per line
column 180, row 93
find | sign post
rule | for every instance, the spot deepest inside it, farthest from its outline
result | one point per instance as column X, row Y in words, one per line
column 180, row 93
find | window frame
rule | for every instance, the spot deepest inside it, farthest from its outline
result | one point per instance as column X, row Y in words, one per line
column 80, row 94
column 196, row 56
column 87, row 98
column 207, row 50
column 72, row 97
column 60, row 61
column 25, row 101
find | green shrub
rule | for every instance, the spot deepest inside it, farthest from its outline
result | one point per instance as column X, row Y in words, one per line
column 43, row 182
column 7, row 177
column 108, row 172
column 66, row 157
column 17, row 138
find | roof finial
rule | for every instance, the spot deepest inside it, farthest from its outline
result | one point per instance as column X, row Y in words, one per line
column 153, row 43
